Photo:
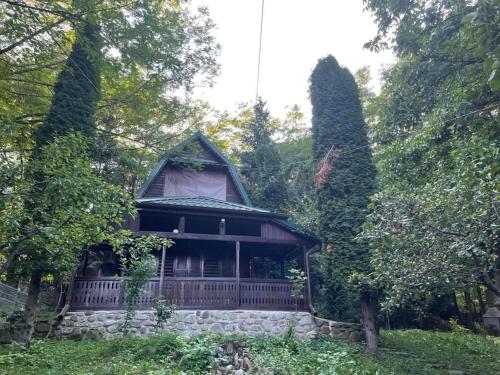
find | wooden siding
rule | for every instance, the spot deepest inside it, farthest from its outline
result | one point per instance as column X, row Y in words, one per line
column 275, row 232
column 232, row 193
column 155, row 190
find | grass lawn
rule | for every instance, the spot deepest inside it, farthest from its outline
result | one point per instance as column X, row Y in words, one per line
column 402, row 352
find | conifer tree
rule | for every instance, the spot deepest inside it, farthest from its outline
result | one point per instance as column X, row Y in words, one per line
column 73, row 108
column 261, row 165
column 347, row 182
column 76, row 90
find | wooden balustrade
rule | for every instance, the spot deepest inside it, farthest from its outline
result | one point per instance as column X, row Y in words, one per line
column 221, row 293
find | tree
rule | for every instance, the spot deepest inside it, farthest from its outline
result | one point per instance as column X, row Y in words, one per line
column 434, row 228
column 43, row 233
column 341, row 148
column 260, row 166
column 152, row 51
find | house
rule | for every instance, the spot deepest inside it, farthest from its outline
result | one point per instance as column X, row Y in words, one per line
column 228, row 255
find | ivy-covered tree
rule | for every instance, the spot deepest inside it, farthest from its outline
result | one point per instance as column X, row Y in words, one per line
column 345, row 181
column 76, row 91
column 261, row 164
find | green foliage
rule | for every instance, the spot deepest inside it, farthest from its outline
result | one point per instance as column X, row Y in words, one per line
column 435, row 225
column 287, row 356
column 73, row 206
column 261, row 165
column 76, row 90
column 297, row 279
column 343, row 200
column 402, row 352
column 198, row 354
column 138, row 265
column 163, row 312
column 142, row 106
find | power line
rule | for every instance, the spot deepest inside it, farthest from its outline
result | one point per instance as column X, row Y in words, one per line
column 260, row 50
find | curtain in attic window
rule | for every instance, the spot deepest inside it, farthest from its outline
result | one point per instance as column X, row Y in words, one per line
column 181, row 182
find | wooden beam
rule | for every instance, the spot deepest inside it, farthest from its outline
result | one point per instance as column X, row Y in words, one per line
column 218, row 237
column 182, row 224
column 238, row 273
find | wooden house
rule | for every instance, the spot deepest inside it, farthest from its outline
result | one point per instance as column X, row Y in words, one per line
column 227, row 253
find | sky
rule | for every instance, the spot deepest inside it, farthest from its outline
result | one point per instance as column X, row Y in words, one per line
column 296, row 33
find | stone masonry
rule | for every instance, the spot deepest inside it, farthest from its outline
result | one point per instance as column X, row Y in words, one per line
column 106, row 324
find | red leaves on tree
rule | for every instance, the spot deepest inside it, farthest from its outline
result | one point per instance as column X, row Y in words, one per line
column 325, row 166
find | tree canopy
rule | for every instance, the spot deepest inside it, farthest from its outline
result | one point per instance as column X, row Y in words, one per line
column 435, row 225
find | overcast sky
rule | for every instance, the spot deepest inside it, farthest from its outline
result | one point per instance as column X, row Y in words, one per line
column 296, row 33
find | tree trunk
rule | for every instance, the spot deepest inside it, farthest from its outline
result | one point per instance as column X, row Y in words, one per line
column 479, row 294
column 369, row 305
column 30, row 307
column 469, row 309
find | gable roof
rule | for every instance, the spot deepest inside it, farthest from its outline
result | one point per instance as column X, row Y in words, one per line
column 198, row 136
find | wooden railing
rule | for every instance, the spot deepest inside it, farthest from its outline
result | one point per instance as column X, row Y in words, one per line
column 221, row 293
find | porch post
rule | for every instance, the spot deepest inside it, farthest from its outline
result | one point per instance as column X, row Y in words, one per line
column 162, row 271
column 237, row 273
column 308, row 281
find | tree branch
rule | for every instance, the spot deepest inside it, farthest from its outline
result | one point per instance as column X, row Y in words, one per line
column 39, row 9
column 31, row 35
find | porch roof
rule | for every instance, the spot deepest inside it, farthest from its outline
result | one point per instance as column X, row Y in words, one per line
column 213, row 204
column 206, row 203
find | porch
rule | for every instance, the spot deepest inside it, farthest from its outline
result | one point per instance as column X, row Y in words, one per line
column 199, row 274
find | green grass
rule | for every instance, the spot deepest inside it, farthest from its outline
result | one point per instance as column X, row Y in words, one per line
column 402, row 352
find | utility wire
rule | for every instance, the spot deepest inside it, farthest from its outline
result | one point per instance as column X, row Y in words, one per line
column 260, row 50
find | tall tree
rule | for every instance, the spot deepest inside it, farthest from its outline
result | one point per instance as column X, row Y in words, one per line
column 56, row 204
column 345, row 180
column 261, row 165
column 152, row 50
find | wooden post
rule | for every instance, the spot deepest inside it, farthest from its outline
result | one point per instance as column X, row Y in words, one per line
column 308, row 281
column 238, row 273
column 162, row 271
column 222, row 226
column 182, row 224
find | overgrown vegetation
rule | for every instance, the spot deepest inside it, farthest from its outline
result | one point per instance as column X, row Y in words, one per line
column 402, row 352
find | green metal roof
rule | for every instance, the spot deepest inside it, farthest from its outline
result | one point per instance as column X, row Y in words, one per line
column 218, row 204
column 203, row 202
column 297, row 228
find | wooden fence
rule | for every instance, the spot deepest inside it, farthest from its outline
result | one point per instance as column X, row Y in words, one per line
column 220, row 293
column 11, row 297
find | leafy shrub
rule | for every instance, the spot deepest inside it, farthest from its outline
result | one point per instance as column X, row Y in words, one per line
column 198, row 354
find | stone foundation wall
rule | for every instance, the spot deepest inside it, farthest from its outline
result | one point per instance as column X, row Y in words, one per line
column 106, row 324
column 349, row 332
